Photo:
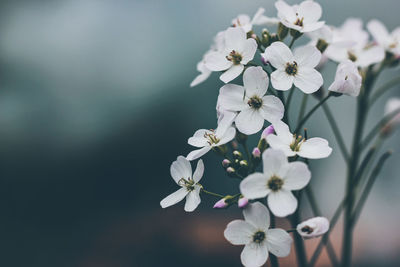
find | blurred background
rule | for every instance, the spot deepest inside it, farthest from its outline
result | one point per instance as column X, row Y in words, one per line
column 95, row 104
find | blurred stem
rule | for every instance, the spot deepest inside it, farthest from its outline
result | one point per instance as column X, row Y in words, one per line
column 336, row 131
column 383, row 89
column 320, row 103
column 273, row 258
column 298, row 240
column 289, row 99
column 282, row 98
column 302, row 107
column 212, row 193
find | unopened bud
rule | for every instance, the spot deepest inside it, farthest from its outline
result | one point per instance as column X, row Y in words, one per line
column 322, row 45
column 220, row 204
column 282, row 31
column 242, row 202
column 237, row 154
column 263, row 61
column 274, row 37
column 234, row 145
column 313, row 227
column 265, row 38
column 256, row 152
column 226, row 163
column 230, row 170
column 267, row 131
column 243, row 163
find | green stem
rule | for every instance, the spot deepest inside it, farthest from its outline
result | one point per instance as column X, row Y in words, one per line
column 374, row 175
column 377, row 128
column 302, row 107
column 289, row 99
column 273, row 258
column 298, row 240
column 282, row 98
column 336, row 131
column 292, row 42
column 301, row 123
column 212, row 193
column 383, row 89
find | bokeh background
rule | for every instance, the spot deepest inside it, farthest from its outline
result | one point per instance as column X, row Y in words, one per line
column 95, row 104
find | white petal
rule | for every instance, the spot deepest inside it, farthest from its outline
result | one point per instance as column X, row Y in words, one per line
column 198, row 173
column 285, row 11
column 231, row 97
column 216, row 61
column 239, row 232
column 174, row 198
column 231, row 73
column 308, row 80
column 279, row 242
column 198, row 139
column 228, row 136
column 235, row 38
column 254, row 186
column 315, row 148
column 255, row 81
column 274, row 162
column 254, row 255
column 278, row 54
column 249, row 121
column 249, row 49
column 277, row 143
column 282, row 130
column 193, row 199
column 195, row 154
column 297, row 177
column 310, row 10
column 282, row 203
column 281, row 80
column 378, row 31
column 370, row 56
column 272, row 109
column 257, row 215
column 181, row 168
column 310, row 27
column 307, row 56
column 200, row 78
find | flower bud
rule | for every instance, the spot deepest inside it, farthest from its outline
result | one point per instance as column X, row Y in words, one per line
column 313, row 227
column 322, row 45
column 230, row 170
column 242, row 202
column 237, row 154
column 265, row 38
column 267, row 131
column 220, row 204
column 256, row 152
column 243, row 163
column 226, row 163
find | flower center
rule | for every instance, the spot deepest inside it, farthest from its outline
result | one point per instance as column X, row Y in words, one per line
column 188, row 183
column 259, row 237
column 211, row 138
column 235, row 57
column 299, row 22
column 351, row 56
column 275, row 183
column 296, row 143
column 255, row 102
column 307, row 229
column 291, row 69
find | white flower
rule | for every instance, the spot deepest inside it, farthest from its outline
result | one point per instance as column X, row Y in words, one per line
column 237, row 52
column 207, row 139
column 201, row 66
column 251, row 102
column 181, row 172
column 303, row 18
column 352, row 43
column 243, row 21
column 278, row 180
column 297, row 68
column 392, row 105
column 259, row 240
column 389, row 41
column 347, row 80
column 291, row 145
column 313, row 227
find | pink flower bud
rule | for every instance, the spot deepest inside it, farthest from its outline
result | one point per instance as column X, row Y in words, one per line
column 263, row 61
column 267, row 131
column 243, row 202
column 220, row 204
column 226, row 163
column 256, row 152
column 230, row 170
column 313, row 227
column 254, row 36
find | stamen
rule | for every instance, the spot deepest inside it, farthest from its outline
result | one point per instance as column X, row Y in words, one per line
column 351, row 56
column 275, row 183
column 307, row 229
column 299, row 22
column 235, row 57
column 259, row 237
column 291, row 69
column 255, row 102
column 296, row 143
column 211, row 138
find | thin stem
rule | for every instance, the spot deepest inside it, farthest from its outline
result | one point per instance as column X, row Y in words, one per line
column 282, row 98
column 212, row 193
column 301, row 123
column 336, row 131
column 383, row 89
column 302, row 107
column 376, row 129
column 289, row 99
column 298, row 240
column 273, row 258
column 372, row 178
column 292, row 42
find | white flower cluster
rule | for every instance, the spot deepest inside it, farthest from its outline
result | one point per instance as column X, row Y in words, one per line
column 243, row 109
